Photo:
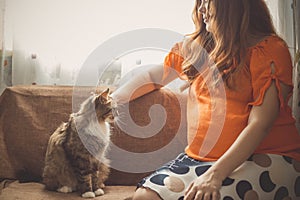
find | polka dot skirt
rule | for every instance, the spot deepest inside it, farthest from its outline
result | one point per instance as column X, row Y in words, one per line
column 261, row 177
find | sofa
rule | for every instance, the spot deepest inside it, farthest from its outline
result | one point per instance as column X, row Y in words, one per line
column 30, row 114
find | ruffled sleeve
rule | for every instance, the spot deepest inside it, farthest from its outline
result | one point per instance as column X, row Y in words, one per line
column 270, row 61
column 174, row 59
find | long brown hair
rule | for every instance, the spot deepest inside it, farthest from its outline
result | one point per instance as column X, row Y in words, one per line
column 232, row 22
column 196, row 45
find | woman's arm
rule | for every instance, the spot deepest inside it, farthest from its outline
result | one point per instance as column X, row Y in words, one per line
column 260, row 121
column 142, row 81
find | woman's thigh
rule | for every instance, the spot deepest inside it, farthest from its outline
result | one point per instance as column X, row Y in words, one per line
column 261, row 177
column 264, row 176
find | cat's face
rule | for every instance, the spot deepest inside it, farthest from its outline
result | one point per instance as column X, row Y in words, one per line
column 104, row 106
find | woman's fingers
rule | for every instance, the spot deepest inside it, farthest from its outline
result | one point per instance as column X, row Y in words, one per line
column 189, row 188
column 202, row 190
column 190, row 192
column 196, row 194
column 199, row 195
column 216, row 195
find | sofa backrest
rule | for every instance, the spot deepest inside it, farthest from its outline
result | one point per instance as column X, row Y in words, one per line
column 30, row 114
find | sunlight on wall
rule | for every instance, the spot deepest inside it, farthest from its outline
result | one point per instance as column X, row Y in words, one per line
column 52, row 38
column 2, row 11
column 283, row 19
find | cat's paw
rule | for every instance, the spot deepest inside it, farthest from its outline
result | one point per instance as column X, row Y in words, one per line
column 99, row 192
column 102, row 185
column 64, row 189
column 88, row 195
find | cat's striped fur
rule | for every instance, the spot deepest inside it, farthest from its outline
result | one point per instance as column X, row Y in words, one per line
column 76, row 152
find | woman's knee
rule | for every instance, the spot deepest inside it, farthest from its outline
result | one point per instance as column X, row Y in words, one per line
column 145, row 194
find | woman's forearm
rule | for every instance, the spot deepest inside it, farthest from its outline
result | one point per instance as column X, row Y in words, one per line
column 260, row 121
column 239, row 152
column 140, row 82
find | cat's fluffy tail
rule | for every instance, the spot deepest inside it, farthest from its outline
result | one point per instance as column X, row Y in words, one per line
column 25, row 176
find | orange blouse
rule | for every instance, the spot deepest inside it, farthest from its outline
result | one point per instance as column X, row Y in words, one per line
column 216, row 115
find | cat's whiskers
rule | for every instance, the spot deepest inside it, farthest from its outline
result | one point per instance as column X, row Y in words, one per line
column 119, row 120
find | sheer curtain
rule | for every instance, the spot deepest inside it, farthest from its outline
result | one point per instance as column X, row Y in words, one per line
column 51, row 39
column 286, row 20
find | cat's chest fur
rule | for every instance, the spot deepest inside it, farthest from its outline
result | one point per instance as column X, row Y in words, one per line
column 88, row 136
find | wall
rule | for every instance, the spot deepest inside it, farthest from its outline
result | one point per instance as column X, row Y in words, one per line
column 282, row 14
column 2, row 6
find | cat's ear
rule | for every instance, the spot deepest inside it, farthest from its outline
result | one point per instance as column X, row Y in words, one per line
column 105, row 93
column 104, row 97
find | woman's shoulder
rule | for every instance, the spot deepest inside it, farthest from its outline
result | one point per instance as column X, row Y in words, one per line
column 271, row 51
column 272, row 47
column 271, row 42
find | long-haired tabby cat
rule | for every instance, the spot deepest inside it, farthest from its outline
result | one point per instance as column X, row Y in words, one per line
column 76, row 153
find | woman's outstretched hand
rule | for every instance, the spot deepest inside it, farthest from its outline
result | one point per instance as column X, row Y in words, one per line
column 205, row 187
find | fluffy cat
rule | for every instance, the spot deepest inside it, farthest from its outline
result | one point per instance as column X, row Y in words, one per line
column 76, row 153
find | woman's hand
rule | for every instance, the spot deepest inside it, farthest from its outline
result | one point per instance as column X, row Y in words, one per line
column 205, row 187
